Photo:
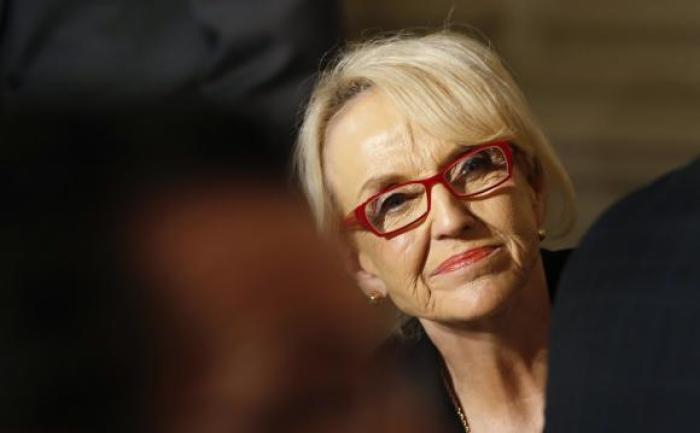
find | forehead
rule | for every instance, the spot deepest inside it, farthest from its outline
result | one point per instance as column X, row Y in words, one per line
column 369, row 138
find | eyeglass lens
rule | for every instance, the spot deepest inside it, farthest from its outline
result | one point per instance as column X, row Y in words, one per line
column 472, row 174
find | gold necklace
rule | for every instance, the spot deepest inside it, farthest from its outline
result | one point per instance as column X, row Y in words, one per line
column 455, row 400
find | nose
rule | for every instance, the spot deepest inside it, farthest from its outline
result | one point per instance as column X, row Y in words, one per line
column 450, row 216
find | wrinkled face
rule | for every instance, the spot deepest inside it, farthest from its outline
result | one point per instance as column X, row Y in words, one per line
column 469, row 258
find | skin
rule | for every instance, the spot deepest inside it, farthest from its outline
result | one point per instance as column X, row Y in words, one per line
column 489, row 320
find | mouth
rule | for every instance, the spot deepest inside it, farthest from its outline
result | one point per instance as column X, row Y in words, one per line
column 464, row 259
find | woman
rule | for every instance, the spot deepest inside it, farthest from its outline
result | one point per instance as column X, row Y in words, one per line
column 422, row 153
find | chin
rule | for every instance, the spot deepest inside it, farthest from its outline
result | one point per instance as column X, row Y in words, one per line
column 479, row 300
column 481, row 293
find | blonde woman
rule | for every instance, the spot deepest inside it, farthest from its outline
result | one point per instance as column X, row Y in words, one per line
column 421, row 153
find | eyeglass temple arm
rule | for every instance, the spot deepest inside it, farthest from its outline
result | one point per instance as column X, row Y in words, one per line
column 351, row 222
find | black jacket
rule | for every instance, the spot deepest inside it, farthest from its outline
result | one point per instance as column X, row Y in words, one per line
column 625, row 335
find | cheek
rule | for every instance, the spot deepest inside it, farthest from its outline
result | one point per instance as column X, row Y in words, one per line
column 524, row 246
column 399, row 260
column 513, row 220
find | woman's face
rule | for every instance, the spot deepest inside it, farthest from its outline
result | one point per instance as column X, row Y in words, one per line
column 469, row 258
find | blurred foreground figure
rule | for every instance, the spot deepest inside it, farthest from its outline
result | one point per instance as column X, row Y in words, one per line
column 258, row 333
column 157, row 275
column 159, row 280
column 625, row 346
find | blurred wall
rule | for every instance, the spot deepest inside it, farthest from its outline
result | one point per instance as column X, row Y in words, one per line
column 615, row 83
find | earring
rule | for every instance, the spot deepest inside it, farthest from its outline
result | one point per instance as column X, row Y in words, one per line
column 542, row 234
column 375, row 298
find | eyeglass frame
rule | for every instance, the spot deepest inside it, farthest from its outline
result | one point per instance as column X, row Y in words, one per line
column 357, row 218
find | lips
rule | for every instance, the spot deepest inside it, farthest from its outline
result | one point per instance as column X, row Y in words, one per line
column 461, row 260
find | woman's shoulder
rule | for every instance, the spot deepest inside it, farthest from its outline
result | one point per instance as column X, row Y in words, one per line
column 409, row 353
column 417, row 369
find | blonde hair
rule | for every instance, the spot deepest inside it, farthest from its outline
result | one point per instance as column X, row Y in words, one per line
column 450, row 85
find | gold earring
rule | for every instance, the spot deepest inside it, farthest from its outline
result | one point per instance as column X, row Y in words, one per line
column 542, row 234
column 375, row 298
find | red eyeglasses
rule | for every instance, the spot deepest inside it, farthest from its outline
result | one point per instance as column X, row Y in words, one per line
column 402, row 207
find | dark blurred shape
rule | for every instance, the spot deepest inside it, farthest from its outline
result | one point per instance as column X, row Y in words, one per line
column 79, row 332
column 258, row 329
column 105, row 106
column 252, row 60
column 625, row 343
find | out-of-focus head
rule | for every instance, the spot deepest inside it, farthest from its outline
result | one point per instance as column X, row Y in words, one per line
column 253, row 340
column 403, row 108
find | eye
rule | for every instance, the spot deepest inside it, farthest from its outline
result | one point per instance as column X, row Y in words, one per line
column 479, row 164
column 393, row 201
column 397, row 207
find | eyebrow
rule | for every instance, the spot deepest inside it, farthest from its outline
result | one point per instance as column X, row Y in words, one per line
column 378, row 183
column 383, row 181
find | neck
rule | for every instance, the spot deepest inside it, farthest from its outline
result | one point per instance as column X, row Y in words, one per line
column 499, row 365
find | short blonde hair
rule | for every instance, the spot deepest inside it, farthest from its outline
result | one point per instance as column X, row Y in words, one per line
column 450, row 85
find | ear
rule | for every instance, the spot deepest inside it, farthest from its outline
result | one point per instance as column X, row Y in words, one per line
column 360, row 266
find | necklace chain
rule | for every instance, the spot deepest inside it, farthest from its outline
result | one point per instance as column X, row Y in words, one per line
column 455, row 400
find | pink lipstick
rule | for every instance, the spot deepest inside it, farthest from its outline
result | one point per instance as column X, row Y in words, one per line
column 461, row 260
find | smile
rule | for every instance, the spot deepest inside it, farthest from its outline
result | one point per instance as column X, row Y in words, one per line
column 464, row 259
